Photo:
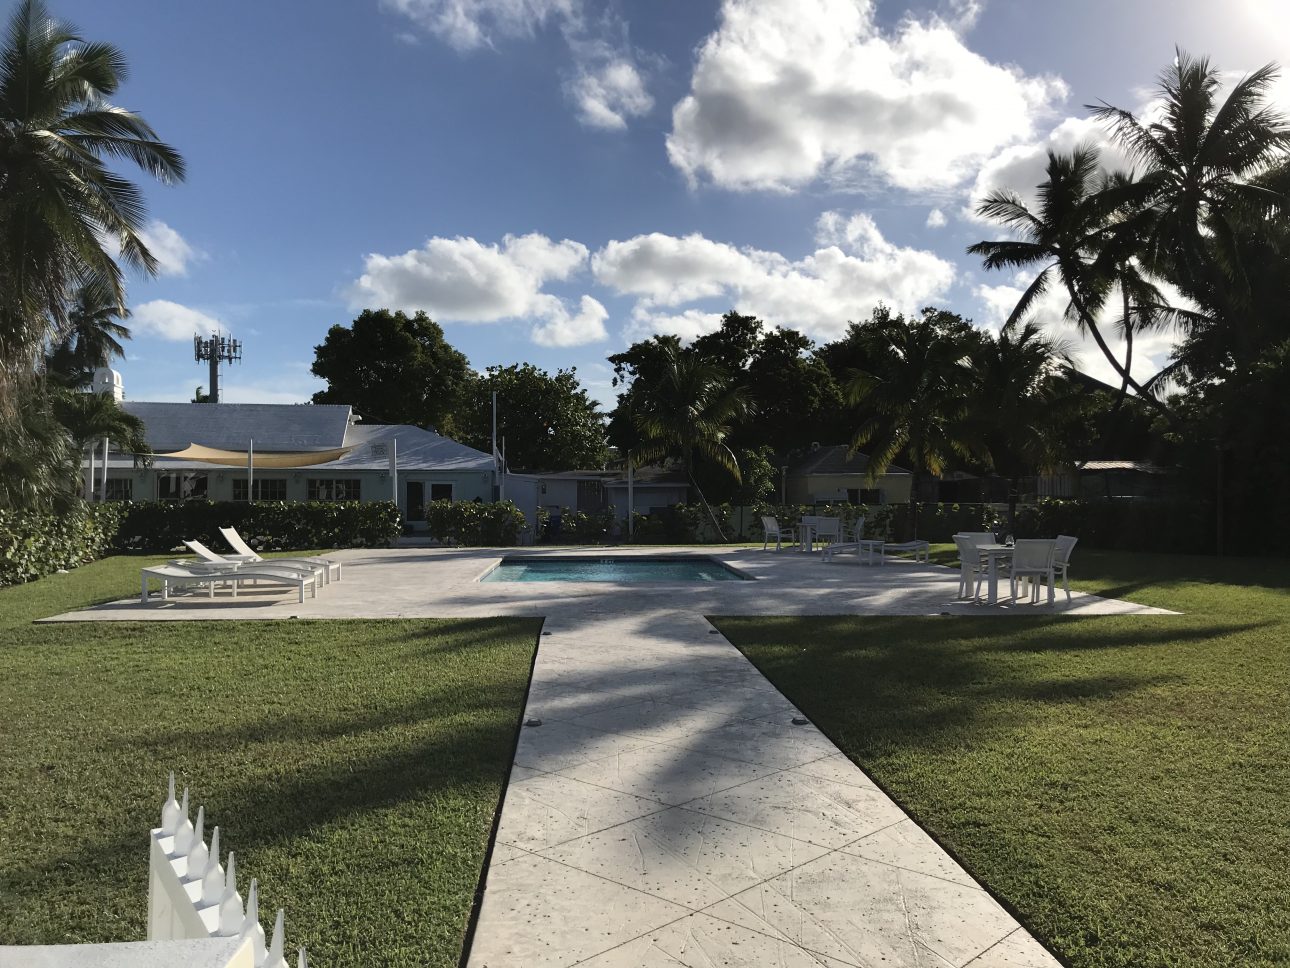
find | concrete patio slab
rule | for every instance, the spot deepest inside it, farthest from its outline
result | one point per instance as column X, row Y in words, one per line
column 667, row 810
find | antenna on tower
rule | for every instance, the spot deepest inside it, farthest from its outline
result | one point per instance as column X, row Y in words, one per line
column 216, row 349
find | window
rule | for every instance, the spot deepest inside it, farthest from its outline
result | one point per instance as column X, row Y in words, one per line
column 265, row 489
column 181, row 487
column 441, row 492
column 120, row 489
column 335, row 489
column 864, row 495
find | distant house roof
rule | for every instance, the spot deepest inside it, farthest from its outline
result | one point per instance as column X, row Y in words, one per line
column 833, row 459
column 228, row 426
column 650, row 477
column 292, row 427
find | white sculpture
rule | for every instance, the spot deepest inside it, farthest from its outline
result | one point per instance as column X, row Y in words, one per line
column 251, row 926
column 231, row 914
column 275, row 959
column 198, row 853
column 183, row 831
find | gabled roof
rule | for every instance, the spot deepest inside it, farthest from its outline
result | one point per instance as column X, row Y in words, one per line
column 1141, row 466
column 228, row 426
column 833, row 460
column 418, row 449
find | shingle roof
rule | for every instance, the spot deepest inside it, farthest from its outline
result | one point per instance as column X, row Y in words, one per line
column 833, row 460
column 228, row 426
column 418, row 450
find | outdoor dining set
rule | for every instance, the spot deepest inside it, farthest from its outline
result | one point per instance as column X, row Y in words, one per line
column 983, row 559
column 211, row 569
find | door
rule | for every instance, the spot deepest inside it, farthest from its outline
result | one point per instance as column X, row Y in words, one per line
column 416, row 501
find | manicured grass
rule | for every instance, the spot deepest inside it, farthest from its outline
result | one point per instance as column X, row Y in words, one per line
column 1120, row 781
column 354, row 766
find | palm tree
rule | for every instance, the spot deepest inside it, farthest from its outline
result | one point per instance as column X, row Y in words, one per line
column 64, row 212
column 1202, row 182
column 913, row 392
column 93, row 336
column 1066, row 234
column 90, row 417
column 1022, row 404
column 686, row 412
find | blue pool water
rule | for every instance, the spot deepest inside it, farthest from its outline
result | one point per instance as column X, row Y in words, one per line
column 613, row 570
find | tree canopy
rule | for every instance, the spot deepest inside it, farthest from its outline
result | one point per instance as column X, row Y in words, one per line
column 393, row 368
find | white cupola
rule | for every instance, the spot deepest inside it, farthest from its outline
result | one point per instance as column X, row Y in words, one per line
column 108, row 380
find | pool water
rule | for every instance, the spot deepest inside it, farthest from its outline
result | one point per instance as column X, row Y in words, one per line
column 693, row 569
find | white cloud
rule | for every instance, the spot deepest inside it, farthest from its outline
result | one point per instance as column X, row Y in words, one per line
column 172, row 251
column 789, row 91
column 854, row 269
column 608, row 88
column 606, row 83
column 936, row 219
column 170, row 320
column 464, row 280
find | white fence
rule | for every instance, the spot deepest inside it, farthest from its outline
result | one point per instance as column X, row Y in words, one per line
column 191, row 895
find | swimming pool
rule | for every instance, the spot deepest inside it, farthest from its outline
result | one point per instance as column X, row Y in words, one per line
column 620, row 569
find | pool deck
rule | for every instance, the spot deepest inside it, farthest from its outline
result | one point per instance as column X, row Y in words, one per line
column 667, row 811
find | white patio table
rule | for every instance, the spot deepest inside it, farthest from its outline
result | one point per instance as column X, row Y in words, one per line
column 993, row 554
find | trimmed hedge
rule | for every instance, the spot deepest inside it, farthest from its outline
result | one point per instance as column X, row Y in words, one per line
column 35, row 545
column 475, row 523
column 265, row 525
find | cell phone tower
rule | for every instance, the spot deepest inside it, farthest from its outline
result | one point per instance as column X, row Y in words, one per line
column 216, row 349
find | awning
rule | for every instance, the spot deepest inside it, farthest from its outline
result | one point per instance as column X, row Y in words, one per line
column 242, row 458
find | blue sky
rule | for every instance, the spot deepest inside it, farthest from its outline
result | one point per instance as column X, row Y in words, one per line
column 552, row 179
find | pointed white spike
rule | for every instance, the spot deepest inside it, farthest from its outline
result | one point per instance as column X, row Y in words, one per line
column 251, row 927
column 213, row 879
column 170, row 810
column 275, row 959
column 198, row 853
column 302, row 960
column 183, row 830
column 231, row 914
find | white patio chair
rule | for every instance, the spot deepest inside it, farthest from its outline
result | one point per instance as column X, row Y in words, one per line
column 302, row 565
column 331, row 569
column 772, row 530
column 1062, row 560
column 828, row 530
column 970, row 570
column 856, row 532
column 1032, row 559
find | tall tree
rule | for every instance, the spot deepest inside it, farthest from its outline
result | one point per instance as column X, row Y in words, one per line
column 93, row 337
column 65, row 214
column 393, row 368
column 914, row 393
column 549, row 422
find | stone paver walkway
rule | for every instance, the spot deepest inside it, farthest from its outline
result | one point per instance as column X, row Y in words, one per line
column 667, row 811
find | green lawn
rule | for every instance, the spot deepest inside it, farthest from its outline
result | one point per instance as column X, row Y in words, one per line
column 1122, row 782
column 355, row 766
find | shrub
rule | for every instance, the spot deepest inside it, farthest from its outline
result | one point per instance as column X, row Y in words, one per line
column 472, row 523
column 33, row 545
column 586, row 527
column 266, row 525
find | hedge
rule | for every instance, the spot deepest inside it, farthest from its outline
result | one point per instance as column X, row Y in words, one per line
column 475, row 523
column 34, row 545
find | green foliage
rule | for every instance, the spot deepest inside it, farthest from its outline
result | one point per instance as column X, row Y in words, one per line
column 34, row 544
column 393, row 369
column 475, row 523
column 587, row 527
column 1184, row 527
column 265, row 525
column 549, row 423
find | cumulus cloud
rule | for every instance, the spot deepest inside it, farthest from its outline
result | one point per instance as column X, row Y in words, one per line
column 171, row 320
column 936, row 219
column 785, row 92
column 606, row 82
column 464, row 280
column 854, row 269
column 172, row 251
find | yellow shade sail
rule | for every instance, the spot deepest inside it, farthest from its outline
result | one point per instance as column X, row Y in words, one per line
column 242, row 458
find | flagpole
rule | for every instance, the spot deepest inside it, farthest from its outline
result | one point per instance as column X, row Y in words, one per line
column 250, row 470
column 502, row 489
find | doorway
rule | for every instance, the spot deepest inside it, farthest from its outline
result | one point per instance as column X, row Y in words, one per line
column 416, row 504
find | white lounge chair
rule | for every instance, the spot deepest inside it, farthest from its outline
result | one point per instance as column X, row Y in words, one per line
column 303, row 565
column 771, row 529
column 174, row 576
column 1032, row 559
column 1062, row 560
column 242, row 548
